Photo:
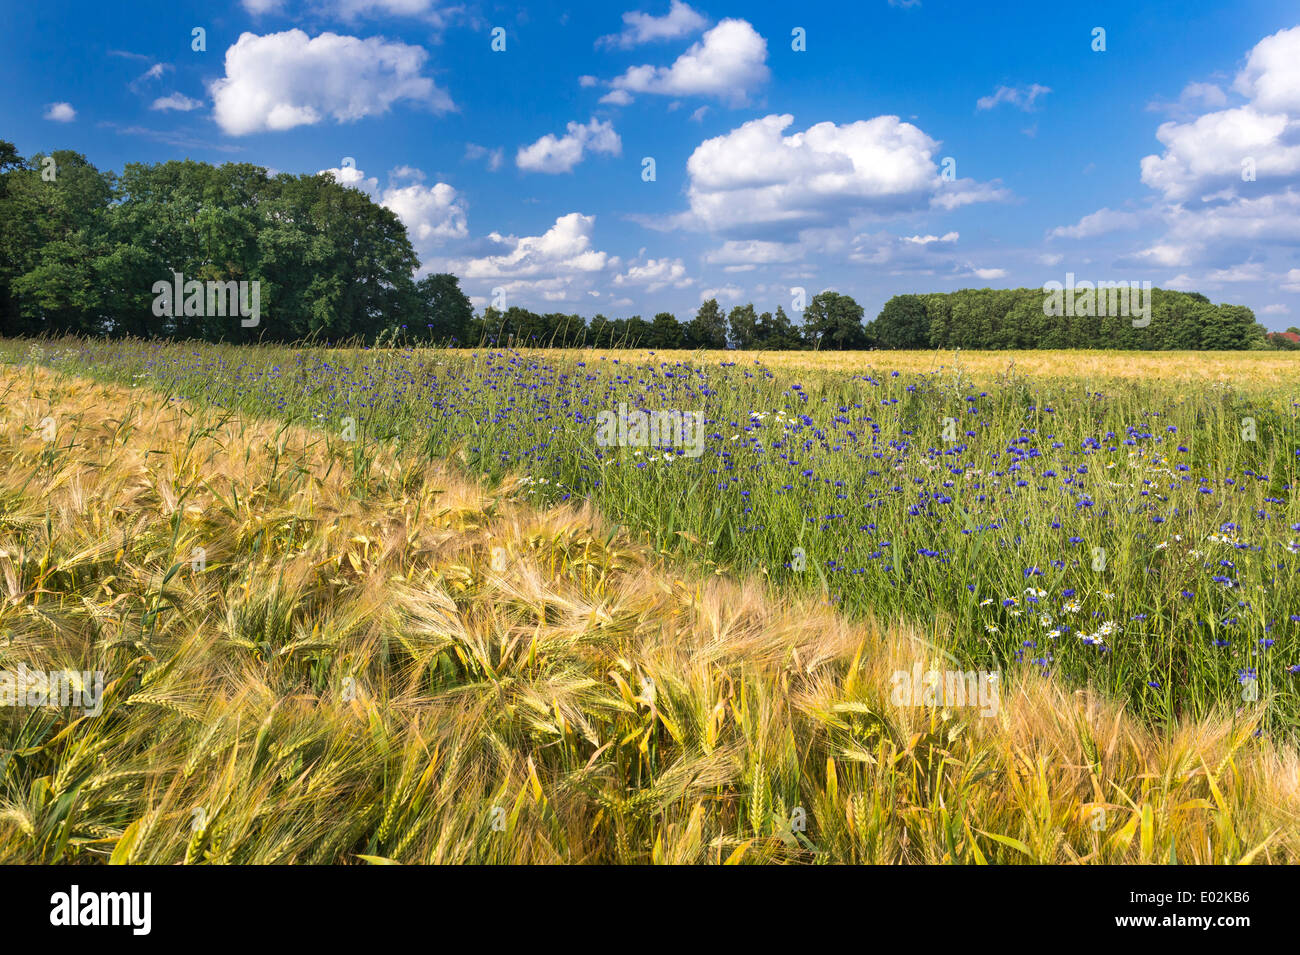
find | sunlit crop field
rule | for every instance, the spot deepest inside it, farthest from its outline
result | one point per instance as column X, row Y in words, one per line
column 1245, row 370
column 1121, row 529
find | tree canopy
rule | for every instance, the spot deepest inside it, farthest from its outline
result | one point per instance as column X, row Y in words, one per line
column 1017, row 318
column 81, row 251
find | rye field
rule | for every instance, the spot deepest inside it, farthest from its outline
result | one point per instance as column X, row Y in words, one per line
column 373, row 605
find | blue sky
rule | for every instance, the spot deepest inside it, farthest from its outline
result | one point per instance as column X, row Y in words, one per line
column 921, row 147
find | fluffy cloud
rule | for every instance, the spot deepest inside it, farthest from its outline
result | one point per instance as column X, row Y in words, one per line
column 1235, row 173
column 1097, row 223
column 1208, row 154
column 354, row 177
column 1271, row 77
column 60, row 112
column 730, row 293
column 1229, row 180
column 432, row 215
column 728, row 62
column 679, row 21
column 283, row 80
column 1021, row 97
column 655, row 274
column 564, row 250
column 963, row 192
column 560, row 154
column 1165, row 253
column 755, row 179
column 176, row 101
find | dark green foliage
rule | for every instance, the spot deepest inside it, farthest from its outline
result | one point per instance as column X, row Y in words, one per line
column 1017, row 318
column 449, row 316
column 743, row 323
column 777, row 333
column 834, row 321
column 665, row 332
column 81, row 251
column 902, row 323
column 708, row 329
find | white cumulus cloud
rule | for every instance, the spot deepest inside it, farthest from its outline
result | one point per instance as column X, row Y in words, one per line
column 60, row 112
column 432, row 215
column 282, row 80
column 556, row 154
column 1229, row 180
column 728, row 62
column 1208, row 154
column 755, row 178
column 731, row 293
column 564, row 248
column 655, row 274
column 638, row 28
column 1271, row 77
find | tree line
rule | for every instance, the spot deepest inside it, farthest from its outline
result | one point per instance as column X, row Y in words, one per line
column 81, row 251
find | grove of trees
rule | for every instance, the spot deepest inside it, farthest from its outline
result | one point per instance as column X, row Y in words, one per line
column 81, row 249
column 1015, row 318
